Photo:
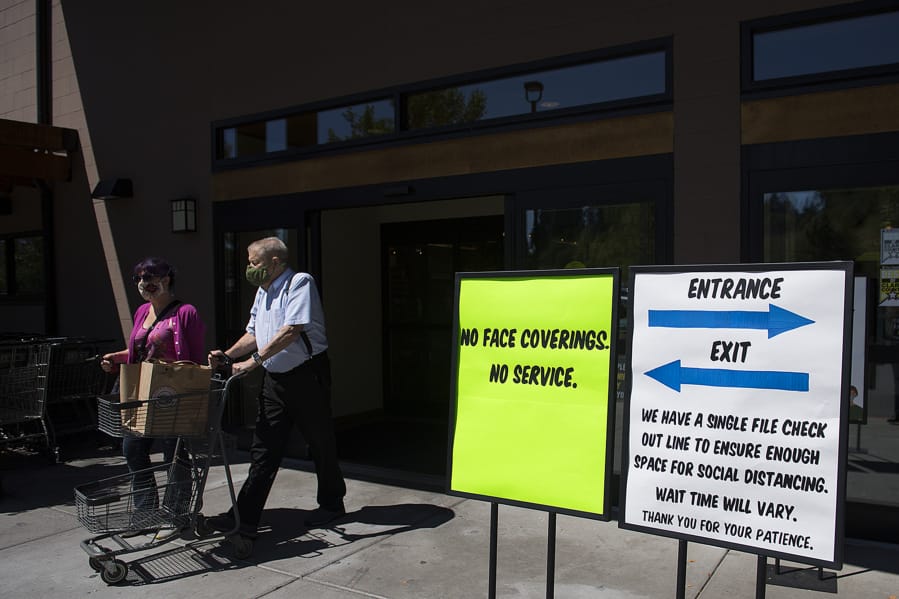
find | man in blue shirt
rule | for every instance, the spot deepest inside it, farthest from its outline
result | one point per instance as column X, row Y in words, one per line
column 285, row 336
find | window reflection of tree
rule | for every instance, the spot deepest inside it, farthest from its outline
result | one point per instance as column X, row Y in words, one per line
column 445, row 107
column 837, row 224
column 364, row 124
column 841, row 224
column 596, row 236
column 29, row 264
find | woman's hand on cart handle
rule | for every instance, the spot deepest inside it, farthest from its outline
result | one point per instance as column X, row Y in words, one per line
column 110, row 362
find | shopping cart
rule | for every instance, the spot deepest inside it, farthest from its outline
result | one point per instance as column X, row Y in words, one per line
column 120, row 509
column 23, row 392
column 74, row 381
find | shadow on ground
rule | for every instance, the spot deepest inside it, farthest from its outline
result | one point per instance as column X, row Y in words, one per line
column 284, row 537
column 29, row 481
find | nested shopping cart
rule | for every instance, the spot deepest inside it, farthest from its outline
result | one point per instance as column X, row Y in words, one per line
column 24, row 365
column 125, row 511
column 74, row 381
column 48, row 389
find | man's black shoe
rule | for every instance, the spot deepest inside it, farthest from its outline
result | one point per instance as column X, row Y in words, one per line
column 221, row 523
column 323, row 515
column 225, row 523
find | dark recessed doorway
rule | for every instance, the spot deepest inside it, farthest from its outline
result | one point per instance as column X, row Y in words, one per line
column 419, row 262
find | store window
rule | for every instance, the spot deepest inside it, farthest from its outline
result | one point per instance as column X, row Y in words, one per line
column 21, row 266
column 823, row 45
column 591, row 236
column 306, row 129
column 860, row 224
column 610, row 80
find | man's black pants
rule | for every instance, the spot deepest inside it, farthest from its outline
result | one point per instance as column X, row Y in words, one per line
column 300, row 397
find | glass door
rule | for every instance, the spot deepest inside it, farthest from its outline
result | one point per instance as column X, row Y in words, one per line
column 596, row 226
column 858, row 223
column 838, row 199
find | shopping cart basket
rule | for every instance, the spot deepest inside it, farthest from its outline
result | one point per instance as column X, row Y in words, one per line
column 23, row 394
column 122, row 508
column 146, row 500
column 74, row 381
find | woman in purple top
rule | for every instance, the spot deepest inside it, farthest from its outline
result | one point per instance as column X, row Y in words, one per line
column 164, row 329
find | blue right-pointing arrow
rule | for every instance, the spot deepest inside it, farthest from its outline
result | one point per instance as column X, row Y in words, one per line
column 674, row 375
column 776, row 320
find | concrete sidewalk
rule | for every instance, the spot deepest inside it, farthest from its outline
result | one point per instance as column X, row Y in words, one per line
column 394, row 543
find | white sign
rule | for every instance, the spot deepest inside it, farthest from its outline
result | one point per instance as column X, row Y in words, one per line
column 735, row 418
column 889, row 246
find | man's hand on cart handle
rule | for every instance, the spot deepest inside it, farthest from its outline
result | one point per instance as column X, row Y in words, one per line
column 219, row 359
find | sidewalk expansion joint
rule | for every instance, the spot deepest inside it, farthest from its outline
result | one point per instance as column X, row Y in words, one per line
column 708, row 578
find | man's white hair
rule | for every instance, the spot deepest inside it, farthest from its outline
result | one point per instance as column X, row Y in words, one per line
column 268, row 247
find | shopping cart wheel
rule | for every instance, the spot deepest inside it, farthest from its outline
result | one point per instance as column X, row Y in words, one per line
column 114, row 572
column 243, row 546
column 201, row 527
column 96, row 564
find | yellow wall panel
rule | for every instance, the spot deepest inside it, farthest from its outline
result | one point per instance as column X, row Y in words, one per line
column 826, row 114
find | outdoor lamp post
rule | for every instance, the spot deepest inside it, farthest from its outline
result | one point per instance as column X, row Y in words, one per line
column 533, row 92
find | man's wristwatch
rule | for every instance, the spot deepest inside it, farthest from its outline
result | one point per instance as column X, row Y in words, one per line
column 257, row 358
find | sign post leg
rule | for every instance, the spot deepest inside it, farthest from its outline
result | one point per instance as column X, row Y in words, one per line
column 681, row 569
column 491, row 576
column 551, row 557
column 761, row 576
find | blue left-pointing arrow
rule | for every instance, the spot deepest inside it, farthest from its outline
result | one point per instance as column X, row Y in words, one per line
column 776, row 320
column 674, row 375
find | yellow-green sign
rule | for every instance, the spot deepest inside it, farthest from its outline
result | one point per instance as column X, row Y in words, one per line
column 533, row 382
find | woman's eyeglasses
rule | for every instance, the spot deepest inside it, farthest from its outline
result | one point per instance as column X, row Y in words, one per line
column 144, row 277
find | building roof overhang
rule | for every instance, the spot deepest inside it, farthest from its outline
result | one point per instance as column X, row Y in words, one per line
column 31, row 152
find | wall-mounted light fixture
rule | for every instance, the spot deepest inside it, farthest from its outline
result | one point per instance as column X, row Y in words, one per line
column 533, row 93
column 184, row 215
column 112, row 189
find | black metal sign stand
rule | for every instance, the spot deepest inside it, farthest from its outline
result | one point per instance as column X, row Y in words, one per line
column 491, row 577
column 798, row 579
column 681, row 569
column 761, row 576
column 550, row 554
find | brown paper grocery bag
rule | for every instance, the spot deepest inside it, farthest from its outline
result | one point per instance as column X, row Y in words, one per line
column 129, row 381
column 177, row 400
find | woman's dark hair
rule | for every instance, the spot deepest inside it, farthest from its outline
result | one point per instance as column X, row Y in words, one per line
column 156, row 266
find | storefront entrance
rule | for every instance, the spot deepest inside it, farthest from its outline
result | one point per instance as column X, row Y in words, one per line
column 386, row 270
